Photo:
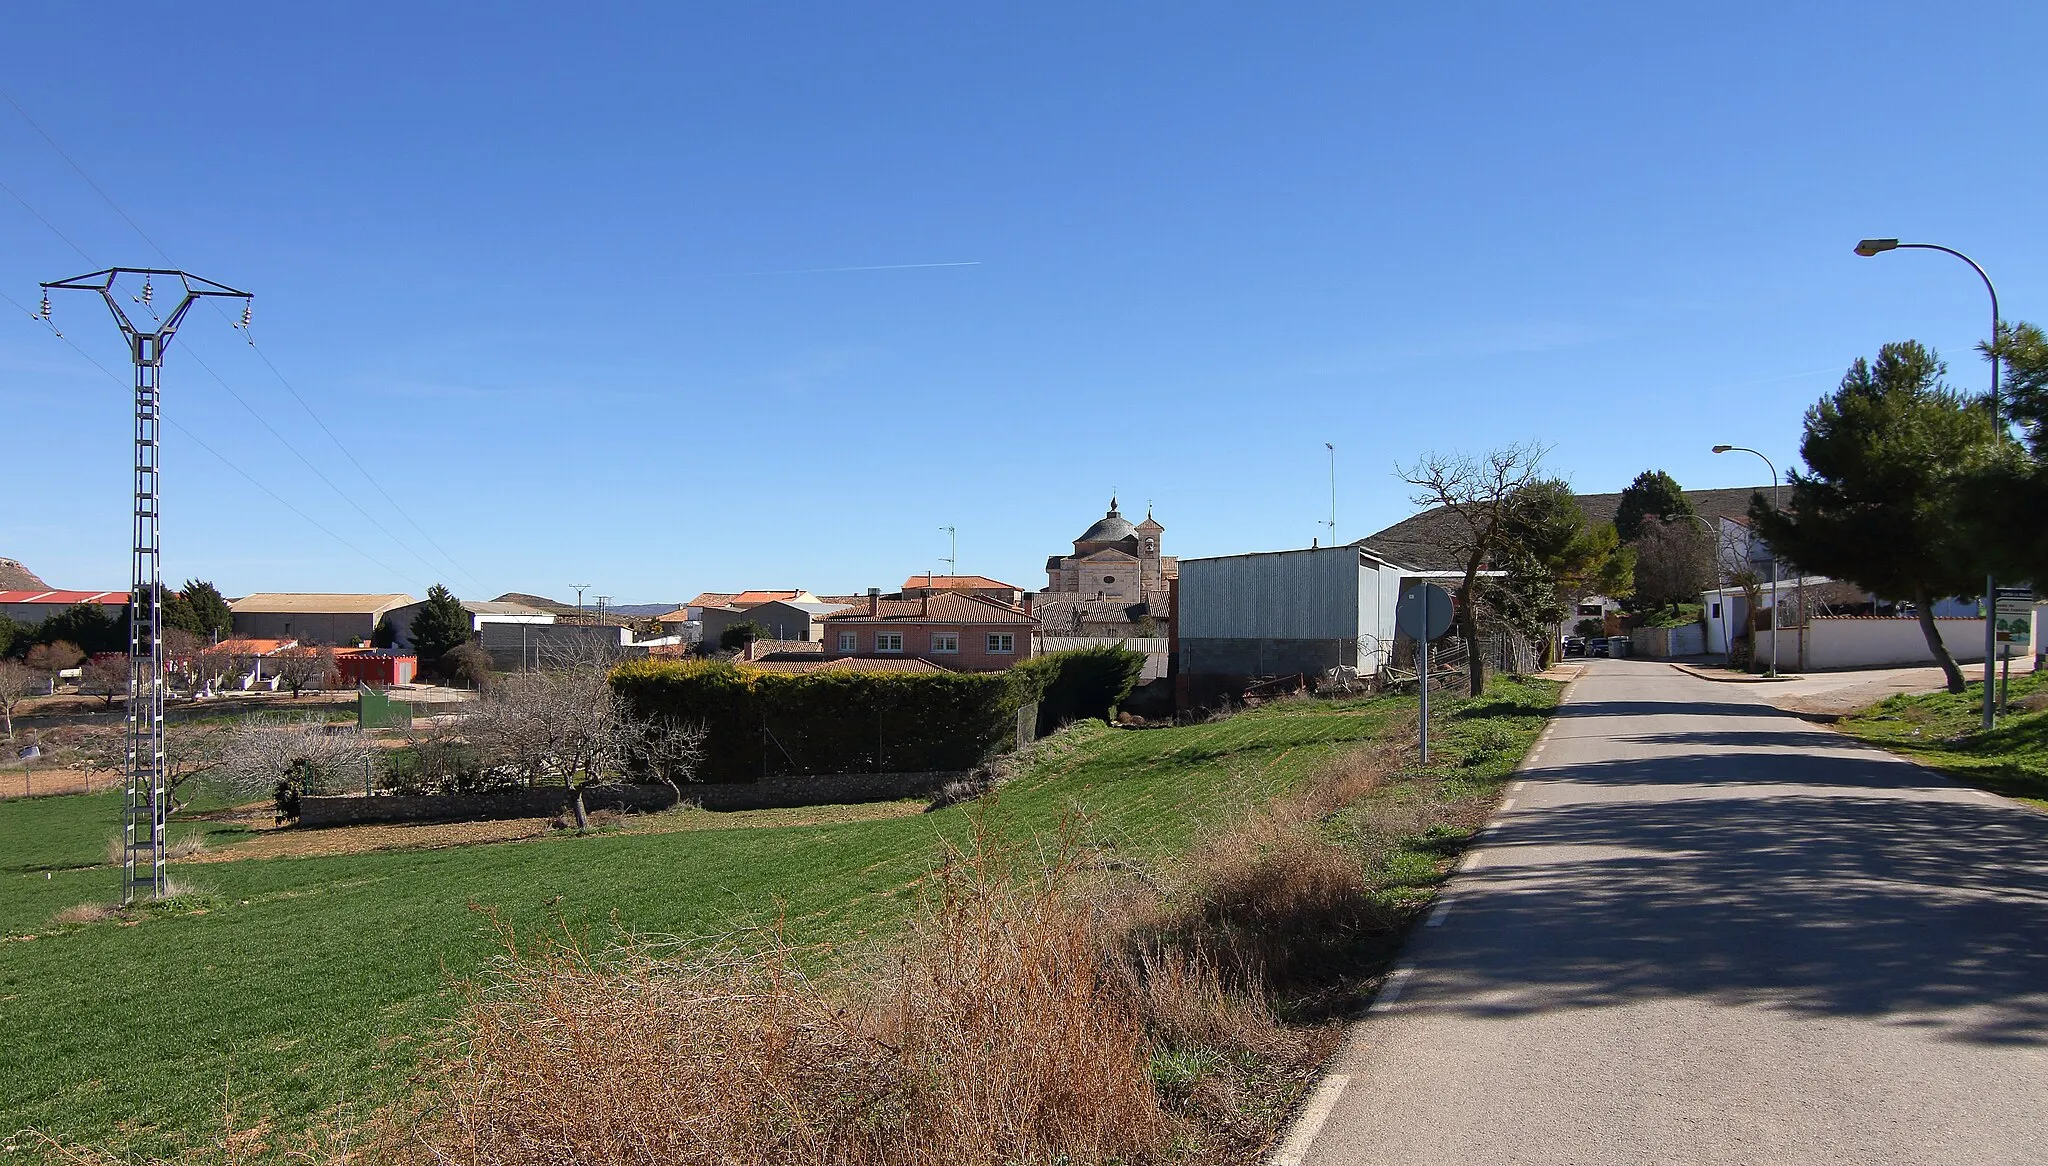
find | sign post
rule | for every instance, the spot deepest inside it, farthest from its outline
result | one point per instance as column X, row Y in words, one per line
column 2013, row 621
column 1424, row 613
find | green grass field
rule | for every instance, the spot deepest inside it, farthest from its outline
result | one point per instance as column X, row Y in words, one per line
column 300, row 984
column 1941, row 729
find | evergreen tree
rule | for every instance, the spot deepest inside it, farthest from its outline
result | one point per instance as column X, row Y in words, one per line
column 1553, row 558
column 211, row 617
column 1889, row 455
column 88, row 626
column 384, row 634
column 440, row 626
column 1654, row 494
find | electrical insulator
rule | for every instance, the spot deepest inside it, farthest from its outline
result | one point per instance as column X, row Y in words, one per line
column 46, row 306
column 246, row 309
column 145, row 291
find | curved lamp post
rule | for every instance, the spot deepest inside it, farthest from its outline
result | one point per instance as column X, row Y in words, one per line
column 1869, row 247
column 1776, row 504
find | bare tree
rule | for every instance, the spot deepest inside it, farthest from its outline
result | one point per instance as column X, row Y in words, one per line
column 290, row 758
column 105, row 677
column 305, row 667
column 667, row 750
column 52, row 658
column 1674, row 562
column 1478, row 497
column 190, row 751
column 212, row 665
column 17, row 681
column 565, row 724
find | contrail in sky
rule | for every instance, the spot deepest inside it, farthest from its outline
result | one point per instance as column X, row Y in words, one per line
column 876, row 267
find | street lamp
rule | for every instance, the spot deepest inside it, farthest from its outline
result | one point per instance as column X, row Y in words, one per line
column 1777, row 505
column 1870, row 247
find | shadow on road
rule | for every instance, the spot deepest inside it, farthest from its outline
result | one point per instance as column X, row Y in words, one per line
column 1794, row 879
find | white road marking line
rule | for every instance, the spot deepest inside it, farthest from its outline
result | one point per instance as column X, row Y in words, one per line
column 1436, row 917
column 1321, row 1104
column 1473, row 861
column 1517, row 787
column 1390, row 989
column 1980, row 793
column 1507, row 805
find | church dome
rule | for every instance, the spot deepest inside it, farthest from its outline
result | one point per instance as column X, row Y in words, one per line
column 1111, row 527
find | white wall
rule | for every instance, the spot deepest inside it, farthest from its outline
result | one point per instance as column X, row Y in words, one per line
column 1854, row 642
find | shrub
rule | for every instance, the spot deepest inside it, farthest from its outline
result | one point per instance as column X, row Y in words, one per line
column 739, row 635
column 762, row 724
column 1081, row 684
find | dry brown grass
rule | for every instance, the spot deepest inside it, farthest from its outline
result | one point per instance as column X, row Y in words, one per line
column 1037, row 1012
column 84, row 913
column 1004, row 1032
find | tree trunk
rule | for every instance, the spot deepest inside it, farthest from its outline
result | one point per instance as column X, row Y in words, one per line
column 1924, row 604
column 582, row 817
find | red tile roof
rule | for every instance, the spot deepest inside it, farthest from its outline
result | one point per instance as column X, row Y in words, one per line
column 66, row 598
column 757, row 598
column 945, row 607
column 958, row 583
column 712, row 599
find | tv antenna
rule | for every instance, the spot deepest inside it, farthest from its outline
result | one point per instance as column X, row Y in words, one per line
column 953, row 564
column 146, row 804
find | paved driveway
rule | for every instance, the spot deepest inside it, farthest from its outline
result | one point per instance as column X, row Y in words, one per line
column 1704, row 931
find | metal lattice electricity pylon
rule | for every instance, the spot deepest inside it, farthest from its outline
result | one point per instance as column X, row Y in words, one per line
column 142, row 849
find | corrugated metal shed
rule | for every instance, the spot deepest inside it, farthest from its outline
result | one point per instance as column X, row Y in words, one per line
column 1308, row 594
column 317, row 603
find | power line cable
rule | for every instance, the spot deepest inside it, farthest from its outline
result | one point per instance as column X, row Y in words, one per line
column 53, row 227
column 308, row 519
column 264, row 356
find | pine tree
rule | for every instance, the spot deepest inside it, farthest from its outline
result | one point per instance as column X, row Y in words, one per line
column 440, row 626
column 1654, row 494
column 1888, row 454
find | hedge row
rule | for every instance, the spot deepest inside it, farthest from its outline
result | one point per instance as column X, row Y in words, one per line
column 769, row 724
column 772, row 724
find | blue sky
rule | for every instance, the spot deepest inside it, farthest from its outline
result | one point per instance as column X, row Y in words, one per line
column 535, row 272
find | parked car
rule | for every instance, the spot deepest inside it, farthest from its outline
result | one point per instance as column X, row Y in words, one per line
column 1574, row 646
column 1598, row 647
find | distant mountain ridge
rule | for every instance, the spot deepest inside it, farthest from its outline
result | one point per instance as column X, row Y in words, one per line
column 15, row 577
column 557, row 607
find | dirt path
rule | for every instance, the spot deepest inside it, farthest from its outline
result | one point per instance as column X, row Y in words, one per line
column 292, row 842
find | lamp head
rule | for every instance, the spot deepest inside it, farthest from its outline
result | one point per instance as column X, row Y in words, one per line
column 1723, row 448
column 1869, row 247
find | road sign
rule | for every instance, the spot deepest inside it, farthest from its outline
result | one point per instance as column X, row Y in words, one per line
column 2014, row 619
column 1424, row 612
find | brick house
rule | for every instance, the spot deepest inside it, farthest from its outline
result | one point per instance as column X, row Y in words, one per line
column 962, row 633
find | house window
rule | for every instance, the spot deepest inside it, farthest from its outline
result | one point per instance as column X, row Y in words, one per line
column 1717, row 611
column 888, row 641
column 1592, row 609
column 945, row 642
column 1001, row 643
column 1109, row 578
column 849, row 641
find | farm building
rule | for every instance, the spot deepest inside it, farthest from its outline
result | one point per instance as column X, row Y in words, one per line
column 1282, row 612
column 39, row 604
column 313, row 617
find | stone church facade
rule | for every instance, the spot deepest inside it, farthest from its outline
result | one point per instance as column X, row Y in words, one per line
column 1115, row 581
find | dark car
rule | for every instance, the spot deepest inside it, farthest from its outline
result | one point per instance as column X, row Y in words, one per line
column 1574, row 645
column 1598, row 647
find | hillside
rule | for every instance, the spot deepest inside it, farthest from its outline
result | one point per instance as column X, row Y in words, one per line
column 555, row 607
column 15, row 577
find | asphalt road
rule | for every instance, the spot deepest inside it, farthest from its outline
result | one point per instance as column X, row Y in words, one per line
column 1704, row 931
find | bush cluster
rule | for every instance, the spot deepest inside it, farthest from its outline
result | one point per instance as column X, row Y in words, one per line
column 1080, row 684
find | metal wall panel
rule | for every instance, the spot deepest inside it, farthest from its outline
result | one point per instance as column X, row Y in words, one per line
column 1282, row 595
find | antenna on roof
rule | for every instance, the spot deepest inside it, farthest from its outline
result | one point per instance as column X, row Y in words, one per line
column 953, row 564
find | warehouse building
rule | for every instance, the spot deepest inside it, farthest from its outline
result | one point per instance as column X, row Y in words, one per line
column 1284, row 612
column 313, row 617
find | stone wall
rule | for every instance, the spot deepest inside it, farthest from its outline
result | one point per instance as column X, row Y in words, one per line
column 546, row 801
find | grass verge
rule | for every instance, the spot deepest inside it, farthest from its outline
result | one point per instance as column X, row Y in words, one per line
column 1942, row 730
column 1207, row 853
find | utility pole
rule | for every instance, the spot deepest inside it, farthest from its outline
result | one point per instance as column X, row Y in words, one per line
column 144, row 809
column 579, row 596
column 602, row 602
column 953, row 564
column 1333, row 492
